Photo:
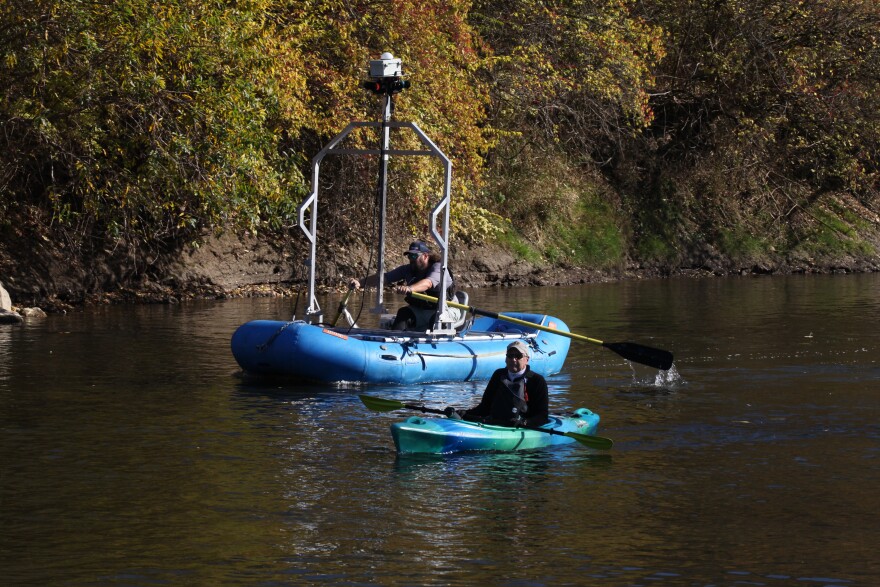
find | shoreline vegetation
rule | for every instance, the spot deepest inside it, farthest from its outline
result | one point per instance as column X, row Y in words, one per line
column 159, row 154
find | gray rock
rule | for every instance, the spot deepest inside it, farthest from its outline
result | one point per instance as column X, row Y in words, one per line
column 33, row 313
column 9, row 317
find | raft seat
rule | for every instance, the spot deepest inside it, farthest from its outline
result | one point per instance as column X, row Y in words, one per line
column 459, row 324
column 460, row 297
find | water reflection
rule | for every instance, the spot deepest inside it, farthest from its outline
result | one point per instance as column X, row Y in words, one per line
column 493, row 499
column 5, row 350
column 134, row 453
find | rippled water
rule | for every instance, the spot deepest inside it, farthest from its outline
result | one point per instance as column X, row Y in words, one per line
column 134, row 453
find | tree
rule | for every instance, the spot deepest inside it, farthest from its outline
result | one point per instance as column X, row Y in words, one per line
column 440, row 57
column 784, row 96
column 573, row 73
column 147, row 121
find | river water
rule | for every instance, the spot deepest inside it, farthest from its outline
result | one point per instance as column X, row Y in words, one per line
column 132, row 452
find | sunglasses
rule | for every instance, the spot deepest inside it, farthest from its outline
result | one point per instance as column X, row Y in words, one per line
column 413, row 256
column 514, row 356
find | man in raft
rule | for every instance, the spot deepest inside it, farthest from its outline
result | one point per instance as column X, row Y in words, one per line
column 420, row 275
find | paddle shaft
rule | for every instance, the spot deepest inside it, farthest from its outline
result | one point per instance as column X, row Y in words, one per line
column 586, row 439
column 381, row 404
column 423, row 409
column 342, row 306
column 657, row 358
column 508, row 319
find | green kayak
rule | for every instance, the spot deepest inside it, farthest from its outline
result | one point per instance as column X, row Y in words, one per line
column 445, row 435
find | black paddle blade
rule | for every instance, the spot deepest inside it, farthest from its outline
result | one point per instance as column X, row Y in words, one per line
column 645, row 355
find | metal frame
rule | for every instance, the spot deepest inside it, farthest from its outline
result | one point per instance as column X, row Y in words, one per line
column 310, row 204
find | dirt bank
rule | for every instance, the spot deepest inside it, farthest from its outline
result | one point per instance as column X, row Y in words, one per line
column 38, row 270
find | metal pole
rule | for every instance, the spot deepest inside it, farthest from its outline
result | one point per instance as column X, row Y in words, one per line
column 383, row 192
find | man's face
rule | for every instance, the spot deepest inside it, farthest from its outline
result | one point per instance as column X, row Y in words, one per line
column 420, row 260
column 516, row 361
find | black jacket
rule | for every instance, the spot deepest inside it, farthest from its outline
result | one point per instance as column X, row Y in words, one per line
column 499, row 401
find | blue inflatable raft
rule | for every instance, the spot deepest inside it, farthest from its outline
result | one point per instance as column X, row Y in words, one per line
column 319, row 353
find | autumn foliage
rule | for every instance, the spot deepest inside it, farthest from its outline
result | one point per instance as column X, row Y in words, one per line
column 604, row 130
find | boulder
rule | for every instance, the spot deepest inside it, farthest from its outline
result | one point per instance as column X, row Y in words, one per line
column 5, row 301
column 9, row 317
column 33, row 313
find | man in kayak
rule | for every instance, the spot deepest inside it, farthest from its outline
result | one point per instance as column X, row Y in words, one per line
column 514, row 395
column 420, row 275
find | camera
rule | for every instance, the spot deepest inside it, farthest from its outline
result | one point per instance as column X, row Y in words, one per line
column 385, row 73
column 385, row 66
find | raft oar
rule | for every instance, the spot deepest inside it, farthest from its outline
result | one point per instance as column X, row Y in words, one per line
column 379, row 404
column 637, row 353
column 342, row 306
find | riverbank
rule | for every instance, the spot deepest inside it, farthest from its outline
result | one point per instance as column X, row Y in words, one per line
column 51, row 276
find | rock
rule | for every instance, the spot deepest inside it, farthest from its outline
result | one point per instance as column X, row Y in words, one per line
column 5, row 300
column 33, row 313
column 9, row 317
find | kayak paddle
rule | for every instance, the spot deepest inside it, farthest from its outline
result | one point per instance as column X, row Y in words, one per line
column 379, row 404
column 637, row 353
column 598, row 442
